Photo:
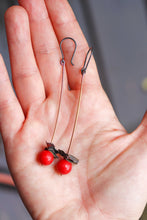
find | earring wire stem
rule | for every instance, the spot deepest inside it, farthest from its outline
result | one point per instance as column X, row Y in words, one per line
column 83, row 71
column 77, row 114
column 59, row 104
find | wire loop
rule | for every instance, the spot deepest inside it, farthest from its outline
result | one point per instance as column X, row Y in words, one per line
column 68, row 38
column 87, row 60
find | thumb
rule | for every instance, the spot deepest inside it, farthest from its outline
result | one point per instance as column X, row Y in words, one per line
column 137, row 160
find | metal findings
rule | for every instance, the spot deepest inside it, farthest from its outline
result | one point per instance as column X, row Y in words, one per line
column 67, row 38
column 87, row 60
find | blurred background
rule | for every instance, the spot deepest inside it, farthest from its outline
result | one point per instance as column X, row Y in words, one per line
column 118, row 32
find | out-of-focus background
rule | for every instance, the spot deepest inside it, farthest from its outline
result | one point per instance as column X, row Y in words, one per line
column 117, row 30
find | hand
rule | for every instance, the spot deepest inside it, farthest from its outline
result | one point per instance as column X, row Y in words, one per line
column 110, row 181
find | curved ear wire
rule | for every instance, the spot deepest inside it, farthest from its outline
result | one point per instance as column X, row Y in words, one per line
column 87, row 60
column 68, row 38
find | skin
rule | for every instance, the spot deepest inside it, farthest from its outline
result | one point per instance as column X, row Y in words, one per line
column 110, row 181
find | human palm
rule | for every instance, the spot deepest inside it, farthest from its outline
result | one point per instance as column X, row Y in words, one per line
column 110, row 180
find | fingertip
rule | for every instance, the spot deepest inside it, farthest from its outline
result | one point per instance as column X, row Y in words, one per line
column 36, row 9
column 17, row 25
column 61, row 12
column 16, row 19
column 14, row 12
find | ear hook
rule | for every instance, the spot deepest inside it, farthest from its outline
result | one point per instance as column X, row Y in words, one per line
column 68, row 38
column 87, row 60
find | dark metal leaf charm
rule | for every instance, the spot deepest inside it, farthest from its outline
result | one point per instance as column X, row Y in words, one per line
column 72, row 159
column 50, row 147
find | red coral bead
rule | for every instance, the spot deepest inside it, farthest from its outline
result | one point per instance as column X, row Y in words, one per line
column 46, row 157
column 64, row 166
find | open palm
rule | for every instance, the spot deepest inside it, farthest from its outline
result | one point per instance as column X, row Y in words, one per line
column 110, row 181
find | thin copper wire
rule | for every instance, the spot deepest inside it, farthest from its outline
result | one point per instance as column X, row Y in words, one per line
column 83, row 71
column 59, row 105
column 77, row 113
column 63, row 73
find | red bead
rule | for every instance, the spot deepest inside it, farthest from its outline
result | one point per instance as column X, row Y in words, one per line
column 46, row 157
column 64, row 166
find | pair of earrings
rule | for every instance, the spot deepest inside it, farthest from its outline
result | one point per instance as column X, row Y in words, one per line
column 64, row 166
column 47, row 156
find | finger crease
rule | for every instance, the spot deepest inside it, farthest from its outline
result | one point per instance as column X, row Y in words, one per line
column 44, row 50
column 64, row 23
column 25, row 74
column 7, row 103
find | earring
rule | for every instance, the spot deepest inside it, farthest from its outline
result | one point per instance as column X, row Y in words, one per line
column 64, row 166
column 47, row 156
